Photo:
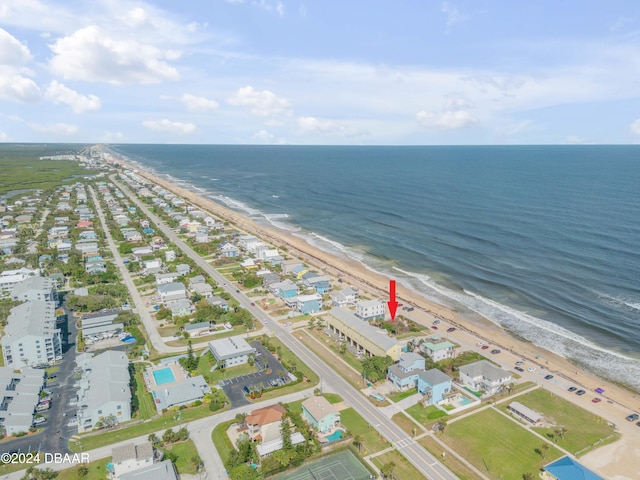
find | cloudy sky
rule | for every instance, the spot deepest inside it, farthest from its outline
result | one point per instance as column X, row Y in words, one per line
column 320, row 71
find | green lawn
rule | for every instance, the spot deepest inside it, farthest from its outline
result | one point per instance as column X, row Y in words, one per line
column 406, row 424
column 290, row 359
column 159, row 423
column 213, row 378
column 146, row 407
column 185, row 452
column 397, row 396
column 332, row 398
column 425, row 416
column 372, row 441
column 221, row 440
column 402, row 470
column 497, row 446
column 97, row 471
column 583, row 429
column 461, row 470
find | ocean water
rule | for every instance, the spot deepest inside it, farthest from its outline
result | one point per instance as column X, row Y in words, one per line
column 543, row 240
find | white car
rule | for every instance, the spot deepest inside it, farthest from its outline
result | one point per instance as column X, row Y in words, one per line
column 479, row 344
column 532, row 369
column 39, row 420
column 519, row 363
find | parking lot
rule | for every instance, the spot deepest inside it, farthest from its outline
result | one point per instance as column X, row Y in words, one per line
column 264, row 360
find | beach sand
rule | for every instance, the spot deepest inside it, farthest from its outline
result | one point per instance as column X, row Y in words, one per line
column 354, row 273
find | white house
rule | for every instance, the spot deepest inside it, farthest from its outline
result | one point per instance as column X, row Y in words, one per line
column 483, row 376
column 370, row 310
column 129, row 457
column 170, row 292
column 438, row 348
column 231, row 351
column 164, row 278
column 344, row 297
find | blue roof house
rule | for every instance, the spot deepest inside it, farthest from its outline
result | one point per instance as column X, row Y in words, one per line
column 433, row 384
column 404, row 374
column 566, row 468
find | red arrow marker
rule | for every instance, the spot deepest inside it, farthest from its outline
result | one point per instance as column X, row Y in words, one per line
column 392, row 303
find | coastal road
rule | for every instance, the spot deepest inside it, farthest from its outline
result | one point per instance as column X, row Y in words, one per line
column 426, row 463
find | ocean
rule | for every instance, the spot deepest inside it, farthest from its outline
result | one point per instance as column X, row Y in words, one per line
column 542, row 240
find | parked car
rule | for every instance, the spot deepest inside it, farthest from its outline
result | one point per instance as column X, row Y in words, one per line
column 484, row 347
column 495, row 351
column 520, row 369
column 253, row 304
column 451, row 329
column 479, row 344
column 572, row 389
column 548, row 377
column 433, row 327
column 633, row 417
column 596, row 400
column 39, row 420
column 436, row 322
column 519, row 363
column 580, row 392
column 531, row 369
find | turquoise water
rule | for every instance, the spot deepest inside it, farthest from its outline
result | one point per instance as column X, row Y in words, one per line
column 464, row 401
column 163, row 376
column 337, row 435
column 539, row 239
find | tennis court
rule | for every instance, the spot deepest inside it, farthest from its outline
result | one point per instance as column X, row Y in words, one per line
column 341, row 466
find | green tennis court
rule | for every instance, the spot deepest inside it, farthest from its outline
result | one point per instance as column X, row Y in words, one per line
column 341, row 466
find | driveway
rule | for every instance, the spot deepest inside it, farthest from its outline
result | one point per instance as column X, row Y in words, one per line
column 234, row 387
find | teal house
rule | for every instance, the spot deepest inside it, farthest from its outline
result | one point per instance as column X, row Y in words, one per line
column 322, row 416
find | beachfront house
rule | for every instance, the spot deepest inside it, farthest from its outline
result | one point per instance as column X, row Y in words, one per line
column 289, row 265
column 483, row 376
column 437, row 348
column 298, row 271
column 369, row 310
column 320, row 414
column 361, row 335
column 309, row 303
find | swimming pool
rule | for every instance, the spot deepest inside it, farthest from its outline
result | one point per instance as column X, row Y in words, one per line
column 337, row 435
column 464, row 400
column 163, row 376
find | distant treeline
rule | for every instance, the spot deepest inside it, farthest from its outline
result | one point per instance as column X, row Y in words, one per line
column 22, row 168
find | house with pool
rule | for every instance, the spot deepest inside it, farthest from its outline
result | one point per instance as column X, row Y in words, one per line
column 171, row 386
column 409, row 373
column 321, row 415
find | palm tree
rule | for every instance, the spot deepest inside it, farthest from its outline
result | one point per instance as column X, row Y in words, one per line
column 357, row 442
column 387, row 469
column 544, row 448
column 527, row 476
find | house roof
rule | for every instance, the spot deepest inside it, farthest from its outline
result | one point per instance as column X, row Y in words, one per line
column 266, row 415
column 485, row 369
column 319, row 407
column 230, row 347
column 350, row 320
column 568, row 469
column 130, row 451
column 158, row 471
column 434, row 376
column 407, row 359
column 172, row 287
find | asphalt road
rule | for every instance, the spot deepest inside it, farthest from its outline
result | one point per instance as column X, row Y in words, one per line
column 426, row 463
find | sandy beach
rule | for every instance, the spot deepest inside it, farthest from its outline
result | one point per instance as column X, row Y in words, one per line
column 619, row 401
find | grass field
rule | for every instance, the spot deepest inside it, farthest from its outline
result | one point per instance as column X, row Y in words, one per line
column 425, row 416
column 406, row 424
column 185, row 452
column 97, row 471
column 452, row 463
column 583, row 429
column 290, row 359
column 213, row 378
column 221, row 440
column 397, row 396
column 372, row 441
column 146, row 407
column 403, row 469
column 497, row 446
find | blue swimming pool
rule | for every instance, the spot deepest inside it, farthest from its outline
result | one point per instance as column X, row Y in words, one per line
column 163, row 376
column 337, row 435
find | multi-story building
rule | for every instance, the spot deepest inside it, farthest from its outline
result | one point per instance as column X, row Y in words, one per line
column 104, row 397
column 231, row 351
column 483, row 376
column 19, row 395
column 370, row 310
column 35, row 288
column 31, row 338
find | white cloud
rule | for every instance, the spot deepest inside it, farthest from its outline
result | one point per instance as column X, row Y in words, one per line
column 576, row 140
column 635, row 127
column 165, row 125
column 273, row 7
column 328, row 127
column 92, row 54
column 198, row 104
column 12, row 52
column 58, row 93
column 450, row 120
column 57, row 128
column 261, row 103
column 4, row 137
column 113, row 137
column 16, row 87
column 453, row 14
column 268, row 138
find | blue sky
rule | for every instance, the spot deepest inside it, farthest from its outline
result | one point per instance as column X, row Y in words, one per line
column 320, row 71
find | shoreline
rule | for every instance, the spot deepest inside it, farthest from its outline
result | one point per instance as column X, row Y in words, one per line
column 357, row 274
